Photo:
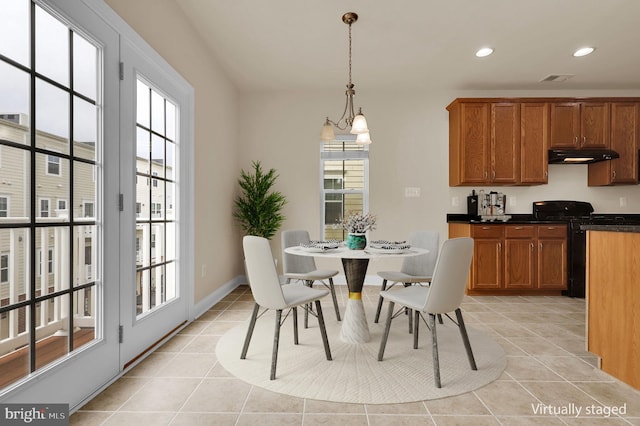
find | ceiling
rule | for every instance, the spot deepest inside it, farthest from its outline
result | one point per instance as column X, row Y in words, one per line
column 422, row 44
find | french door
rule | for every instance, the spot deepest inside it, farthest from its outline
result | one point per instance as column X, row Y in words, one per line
column 155, row 184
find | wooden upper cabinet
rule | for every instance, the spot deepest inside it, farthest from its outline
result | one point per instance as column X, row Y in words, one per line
column 534, row 142
column 576, row 125
column 484, row 143
column 625, row 133
column 505, row 143
column 468, row 143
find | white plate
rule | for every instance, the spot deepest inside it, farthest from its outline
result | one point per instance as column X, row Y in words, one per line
column 386, row 251
column 316, row 249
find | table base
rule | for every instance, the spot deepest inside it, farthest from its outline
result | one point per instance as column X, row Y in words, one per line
column 354, row 323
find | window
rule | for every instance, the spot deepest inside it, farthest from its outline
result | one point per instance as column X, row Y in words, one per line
column 345, row 182
column 53, row 165
column 87, row 209
column 4, row 268
column 44, row 207
column 156, row 209
column 155, row 181
column 138, row 209
column 49, row 261
column 4, row 206
column 62, row 204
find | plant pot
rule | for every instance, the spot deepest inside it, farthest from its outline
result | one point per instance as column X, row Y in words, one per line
column 356, row 241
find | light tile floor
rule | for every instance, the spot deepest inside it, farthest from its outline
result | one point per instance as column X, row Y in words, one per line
column 548, row 369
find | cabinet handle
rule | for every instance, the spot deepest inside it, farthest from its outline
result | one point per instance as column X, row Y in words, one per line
column 614, row 174
column 576, row 141
column 486, row 228
column 499, row 247
column 532, row 246
column 584, row 140
column 540, row 246
column 493, row 175
column 519, row 228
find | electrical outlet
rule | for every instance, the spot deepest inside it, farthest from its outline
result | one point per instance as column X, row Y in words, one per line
column 204, row 270
column 512, row 201
column 410, row 192
column 623, row 201
column 455, row 201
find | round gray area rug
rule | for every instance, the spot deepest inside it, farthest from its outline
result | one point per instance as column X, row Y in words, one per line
column 355, row 375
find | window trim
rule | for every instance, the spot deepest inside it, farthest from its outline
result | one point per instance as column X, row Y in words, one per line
column 40, row 200
column 8, row 206
column 48, row 162
column 8, row 267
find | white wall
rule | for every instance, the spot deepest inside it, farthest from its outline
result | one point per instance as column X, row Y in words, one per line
column 409, row 149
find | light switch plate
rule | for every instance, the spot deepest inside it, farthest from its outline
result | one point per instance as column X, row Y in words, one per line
column 411, row 192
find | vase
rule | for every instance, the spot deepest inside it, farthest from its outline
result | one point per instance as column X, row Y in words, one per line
column 356, row 241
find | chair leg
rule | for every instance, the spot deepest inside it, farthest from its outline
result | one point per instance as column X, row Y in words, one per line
column 276, row 340
column 384, row 287
column 465, row 339
column 385, row 336
column 323, row 330
column 440, row 319
column 335, row 299
column 416, row 322
column 252, row 324
column 434, row 349
column 295, row 325
column 410, row 313
column 309, row 284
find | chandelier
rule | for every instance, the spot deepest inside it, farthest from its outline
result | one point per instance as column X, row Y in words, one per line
column 349, row 118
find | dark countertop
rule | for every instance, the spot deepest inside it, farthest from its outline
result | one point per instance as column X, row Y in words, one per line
column 611, row 228
column 517, row 219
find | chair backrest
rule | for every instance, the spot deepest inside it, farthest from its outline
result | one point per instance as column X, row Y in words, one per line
column 423, row 265
column 450, row 276
column 292, row 264
column 261, row 273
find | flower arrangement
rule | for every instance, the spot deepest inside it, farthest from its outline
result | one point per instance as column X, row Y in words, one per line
column 358, row 223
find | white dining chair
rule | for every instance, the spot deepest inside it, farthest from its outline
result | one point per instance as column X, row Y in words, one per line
column 303, row 268
column 414, row 269
column 443, row 296
column 269, row 294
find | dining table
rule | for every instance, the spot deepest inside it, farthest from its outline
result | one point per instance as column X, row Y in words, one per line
column 354, row 327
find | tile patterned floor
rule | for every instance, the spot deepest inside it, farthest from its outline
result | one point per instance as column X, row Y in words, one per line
column 548, row 369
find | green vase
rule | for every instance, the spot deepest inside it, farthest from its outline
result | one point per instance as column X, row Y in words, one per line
column 356, row 241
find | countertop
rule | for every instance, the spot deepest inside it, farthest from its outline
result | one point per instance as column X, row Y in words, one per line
column 611, row 228
column 516, row 219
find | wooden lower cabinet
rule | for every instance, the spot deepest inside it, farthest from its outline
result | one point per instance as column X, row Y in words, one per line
column 516, row 259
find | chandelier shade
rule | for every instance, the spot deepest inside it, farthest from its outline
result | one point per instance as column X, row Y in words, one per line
column 356, row 123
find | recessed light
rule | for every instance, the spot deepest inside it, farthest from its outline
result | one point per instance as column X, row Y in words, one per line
column 584, row 51
column 485, row 51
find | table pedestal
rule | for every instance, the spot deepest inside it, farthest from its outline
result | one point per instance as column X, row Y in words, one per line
column 354, row 323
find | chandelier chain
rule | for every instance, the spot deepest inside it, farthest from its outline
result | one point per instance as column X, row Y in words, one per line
column 349, row 55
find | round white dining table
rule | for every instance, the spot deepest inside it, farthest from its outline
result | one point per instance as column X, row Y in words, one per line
column 355, row 263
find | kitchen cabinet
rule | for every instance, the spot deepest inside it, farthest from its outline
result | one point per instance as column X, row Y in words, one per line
column 579, row 125
column 534, row 142
column 516, row 258
column 484, row 143
column 625, row 130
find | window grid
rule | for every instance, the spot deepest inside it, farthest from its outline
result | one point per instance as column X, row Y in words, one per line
column 29, row 303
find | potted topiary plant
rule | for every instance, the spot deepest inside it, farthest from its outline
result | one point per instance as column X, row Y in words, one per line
column 258, row 208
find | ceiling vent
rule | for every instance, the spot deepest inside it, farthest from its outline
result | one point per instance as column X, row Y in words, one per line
column 557, row 78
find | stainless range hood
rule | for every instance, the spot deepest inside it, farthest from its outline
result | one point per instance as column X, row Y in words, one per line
column 580, row 156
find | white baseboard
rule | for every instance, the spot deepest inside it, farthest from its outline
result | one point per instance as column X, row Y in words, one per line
column 205, row 304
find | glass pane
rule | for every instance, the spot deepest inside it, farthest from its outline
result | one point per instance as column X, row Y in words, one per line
column 157, row 243
column 157, row 113
column 142, row 104
column 158, row 205
column 85, row 128
column 143, row 207
column 10, row 323
column 52, row 47
column 142, row 291
column 52, row 272
column 170, row 281
column 143, row 244
column 170, row 160
column 52, row 117
column 52, row 182
column 171, row 241
column 14, row 104
column 85, row 63
column 171, row 121
column 15, row 185
column 142, row 150
column 85, row 252
column 170, row 200
column 84, row 191
column 157, row 155
column 54, row 344
column 14, row 31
